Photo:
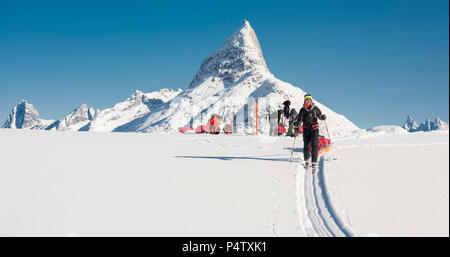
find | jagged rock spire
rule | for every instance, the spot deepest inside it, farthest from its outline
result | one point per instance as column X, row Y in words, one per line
column 410, row 124
column 241, row 53
column 23, row 115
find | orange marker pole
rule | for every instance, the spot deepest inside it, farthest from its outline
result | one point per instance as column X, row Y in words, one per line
column 253, row 119
column 256, row 117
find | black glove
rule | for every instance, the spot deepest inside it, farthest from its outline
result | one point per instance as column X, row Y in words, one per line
column 323, row 117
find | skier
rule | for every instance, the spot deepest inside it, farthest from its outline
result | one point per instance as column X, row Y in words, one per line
column 283, row 116
column 293, row 116
column 286, row 109
column 284, row 119
column 307, row 118
column 277, row 119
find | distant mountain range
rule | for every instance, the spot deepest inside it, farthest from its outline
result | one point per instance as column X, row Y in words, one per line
column 427, row 125
column 83, row 118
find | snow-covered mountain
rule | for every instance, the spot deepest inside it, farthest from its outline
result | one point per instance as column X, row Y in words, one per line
column 226, row 83
column 75, row 120
column 25, row 116
column 439, row 124
column 84, row 118
column 427, row 125
column 137, row 105
column 410, row 124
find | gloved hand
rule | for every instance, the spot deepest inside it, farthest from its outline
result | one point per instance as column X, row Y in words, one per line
column 323, row 117
column 298, row 130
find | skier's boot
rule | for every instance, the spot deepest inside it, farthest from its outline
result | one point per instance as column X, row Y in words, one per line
column 306, row 164
column 314, row 167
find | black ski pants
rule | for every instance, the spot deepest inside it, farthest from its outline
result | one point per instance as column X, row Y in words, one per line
column 310, row 141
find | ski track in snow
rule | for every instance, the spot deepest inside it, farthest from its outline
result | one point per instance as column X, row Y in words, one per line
column 318, row 216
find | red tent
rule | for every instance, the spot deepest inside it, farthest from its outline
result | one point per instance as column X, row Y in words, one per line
column 228, row 129
column 184, row 129
column 214, row 122
column 202, row 129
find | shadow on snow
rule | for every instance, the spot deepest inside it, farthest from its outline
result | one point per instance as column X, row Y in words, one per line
column 230, row 158
column 296, row 150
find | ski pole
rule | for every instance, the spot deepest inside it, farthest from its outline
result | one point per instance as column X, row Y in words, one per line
column 292, row 150
column 328, row 132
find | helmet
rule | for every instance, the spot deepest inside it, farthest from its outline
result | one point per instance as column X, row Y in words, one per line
column 308, row 102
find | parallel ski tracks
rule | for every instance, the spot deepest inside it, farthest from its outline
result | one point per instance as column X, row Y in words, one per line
column 318, row 217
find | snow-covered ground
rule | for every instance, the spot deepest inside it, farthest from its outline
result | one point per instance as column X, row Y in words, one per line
column 127, row 184
column 394, row 185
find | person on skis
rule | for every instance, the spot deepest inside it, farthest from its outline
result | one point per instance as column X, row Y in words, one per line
column 308, row 119
column 283, row 117
column 286, row 110
column 293, row 116
column 277, row 120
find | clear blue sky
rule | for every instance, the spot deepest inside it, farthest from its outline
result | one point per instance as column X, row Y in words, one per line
column 373, row 61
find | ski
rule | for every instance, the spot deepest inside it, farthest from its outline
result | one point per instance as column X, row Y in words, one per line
column 305, row 165
column 314, row 169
